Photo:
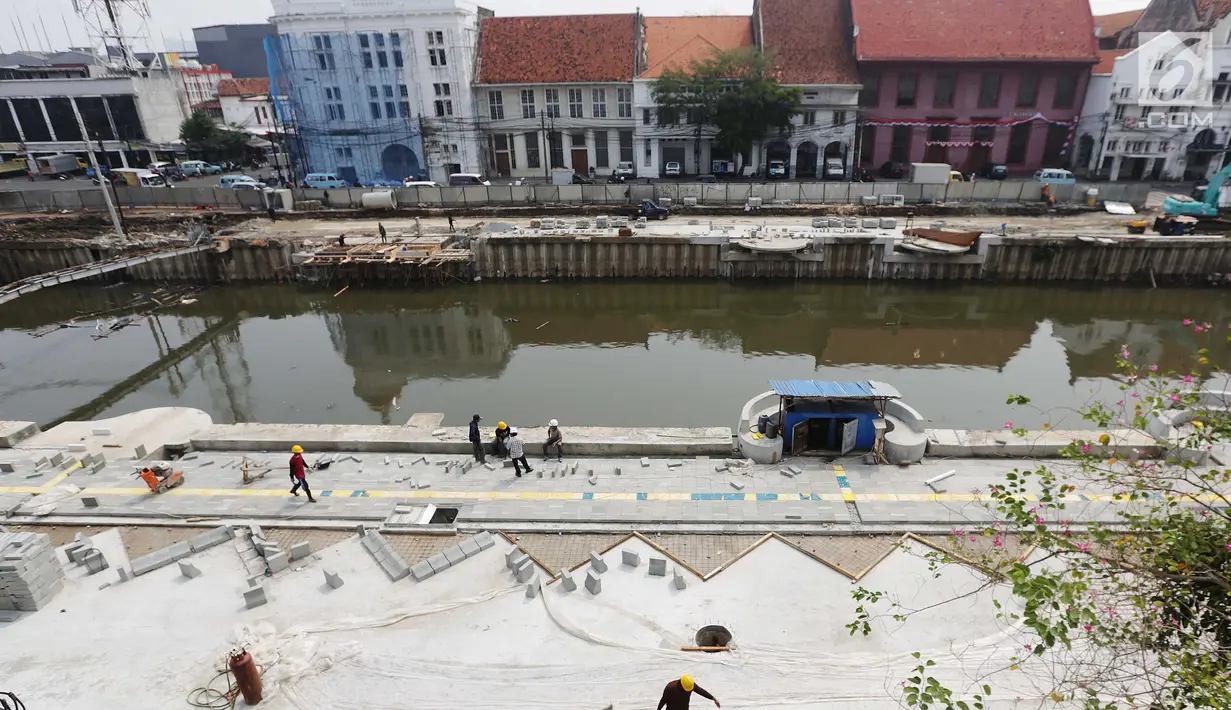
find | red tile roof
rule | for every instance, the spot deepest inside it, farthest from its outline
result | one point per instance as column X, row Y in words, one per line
column 243, row 87
column 678, row 41
column 1109, row 25
column 1212, row 11
column 808, row 41
column 1107, row 60
column 974, row 30
column 556, row 50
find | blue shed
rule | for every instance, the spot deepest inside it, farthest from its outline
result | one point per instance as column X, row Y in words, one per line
column 830, row 417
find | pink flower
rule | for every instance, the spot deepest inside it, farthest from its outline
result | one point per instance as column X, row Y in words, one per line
column 1229, row 545
column 1175, row 398
column 1083, row 547
column 1197, row 329
column 1188, row 379
column 1085, row 448
column 1000, row 543
column 1038, row 520
column 1153, row 368
column 1088, row 627
column 1134, row 394
column 1188, row 321
column 1008, row 425
column 1120, row 403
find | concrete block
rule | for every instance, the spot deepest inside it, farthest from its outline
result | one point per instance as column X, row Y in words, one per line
column 532, row 589
column 333, row 579
column 57, row 458
column 438, row 562
column 87, row 460
column 7, row 467
column 75, row 448
column 98, row 466
column 95, row 562
column 795, row 470
column 77, row 552
column 421, row 486
column 484, row 540
column 593, row 480
column 678, row 578
column 597, row 562
column 151, row 562
column 658, row 567
column 41, row 462
column 720, row 468
column 469, row 547
column 511, row 556
column 570, row 584
column 630, row 558
column 372, row 542
column 525, row 572
column 189, row 570
column 519, row 560
column 255, row 597
column 645, row 463
column 139, row 452
column 210, row 538
column 101, row 432
column 786, row 472
column 277, row 562
column 301, row 550
column 618, row 471
column 422, row 571
column 453, row 554
column 394, row 566
column 594, row 583
column 507, row 463
column 9, row 616
column 123, row 574
column 490, row 466
column 256, row 580
column 736, row 485
column 674, row 464
column 256, row 531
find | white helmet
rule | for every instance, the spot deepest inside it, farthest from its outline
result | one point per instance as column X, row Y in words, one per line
column 512, row 430
column 553, row 422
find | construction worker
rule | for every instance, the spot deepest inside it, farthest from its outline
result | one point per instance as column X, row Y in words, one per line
column 384, row 236
column 298, row 473
column 518, row 453
column 554, row 438
column 500, row 447
column 678, row 692
column 476, row 441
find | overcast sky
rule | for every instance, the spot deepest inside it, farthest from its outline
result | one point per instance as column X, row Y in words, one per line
column 53, row 22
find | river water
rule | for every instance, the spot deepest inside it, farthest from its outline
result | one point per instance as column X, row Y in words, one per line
column 616, row 354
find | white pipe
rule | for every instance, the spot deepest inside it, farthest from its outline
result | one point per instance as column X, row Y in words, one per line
column 937, row 479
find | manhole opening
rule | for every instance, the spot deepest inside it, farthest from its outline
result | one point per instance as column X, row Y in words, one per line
column 444, row 516
column 713, row 636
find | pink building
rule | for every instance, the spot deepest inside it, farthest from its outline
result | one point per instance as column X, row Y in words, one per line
column 984, row 83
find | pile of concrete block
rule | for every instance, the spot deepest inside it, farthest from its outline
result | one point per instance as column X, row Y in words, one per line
column 453, row 555
column 82, row 551
column 30, row 573
column 389, row 560
column 276, row 558
column 180, row 550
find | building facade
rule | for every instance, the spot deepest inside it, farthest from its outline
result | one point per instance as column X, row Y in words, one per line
column 200, row 81
column 378, row 91
column 239, row 49
column 566, row 104
column 1003, row 85
column 247, row 105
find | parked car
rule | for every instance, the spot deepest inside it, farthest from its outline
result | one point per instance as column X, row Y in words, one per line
column 169, row 171
column 672, row 169
column 199, row 167
column 1054, row 176
column 242, row 182
column 956, row 176
column 468, row 180
column 776, row 169
column 834, row 169
column 625, row 170
column 420, row 183
column 994, row 171
column 136, row 177
column 893, row 170
column 324, row 181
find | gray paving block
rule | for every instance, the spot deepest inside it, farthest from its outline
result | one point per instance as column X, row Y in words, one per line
column 422, row 571
column 139, row 452
column 485, row 540
column 123, row 574
column 719, row 468
column 678, row 579
column 89, row 501
column 277, row 562
column 255, row 597
column 570, row 584
column 594, row 583
column 95, row 562
column 645, row 463
column 373, row 542
column 658, row 567
column 597, row 562
column 786, row 472
column 532, row 589
column 438, row 562
column 209, row 539
column 511, row 556
column 469, row 547
column 9, row 616
column 525, row 572
column 453, row 554
column 333, row 579
column 736, row 485
column 395, row 567
column 301, row 550
column 77, row 551
column 98, row 466
column 151, row 562
column 519, row 561
column 7, row 467
column 256, row 531
column 630, row 558
column 57, row 458
column 189, row 570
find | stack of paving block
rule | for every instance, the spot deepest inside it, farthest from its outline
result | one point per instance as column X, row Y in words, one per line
column 276, row 558
column 82, row 551
column 386, row 557
column 452, row 556
column 180, row 550
column 30, row 574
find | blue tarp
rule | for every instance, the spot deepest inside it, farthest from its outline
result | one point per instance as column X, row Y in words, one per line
column 821, row 389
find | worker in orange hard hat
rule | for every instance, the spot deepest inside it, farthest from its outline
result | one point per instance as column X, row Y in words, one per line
column 678, row 692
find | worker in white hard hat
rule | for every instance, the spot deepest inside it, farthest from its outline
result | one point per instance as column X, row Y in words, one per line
column 554, row 438
column 517, row 452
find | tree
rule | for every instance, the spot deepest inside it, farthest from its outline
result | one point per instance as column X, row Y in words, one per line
column 1134, row 612
column 734, row 92
column 207, row 140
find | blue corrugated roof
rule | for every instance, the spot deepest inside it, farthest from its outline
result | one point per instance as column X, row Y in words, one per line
column 822, row 389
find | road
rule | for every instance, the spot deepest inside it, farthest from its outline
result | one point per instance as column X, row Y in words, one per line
column 80, row 182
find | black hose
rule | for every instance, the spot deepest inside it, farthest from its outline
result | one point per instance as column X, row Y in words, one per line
column 9, row 701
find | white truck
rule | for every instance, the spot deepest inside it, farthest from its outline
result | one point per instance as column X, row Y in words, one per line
column 929, row 173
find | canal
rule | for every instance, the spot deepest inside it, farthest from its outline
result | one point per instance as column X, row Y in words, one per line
column 617, row 354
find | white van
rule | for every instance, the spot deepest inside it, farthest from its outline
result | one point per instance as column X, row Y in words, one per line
column 1054, row 176
column 468, row 180
column 324, row 181
column 243, row 182
column 834, row 169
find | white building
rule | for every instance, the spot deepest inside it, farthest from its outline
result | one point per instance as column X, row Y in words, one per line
column 380, row 90
column 247, row 105
column 566, row 103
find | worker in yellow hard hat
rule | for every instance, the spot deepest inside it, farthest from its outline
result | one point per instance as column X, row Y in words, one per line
column 678, row 692
column 500, row 447
column 299, row 473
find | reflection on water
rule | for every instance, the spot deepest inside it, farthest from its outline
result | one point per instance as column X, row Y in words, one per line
column 620, row 354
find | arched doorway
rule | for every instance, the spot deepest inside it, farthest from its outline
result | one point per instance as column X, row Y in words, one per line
column 397, row 162
column 1085, row 152
column 834, row 150
column 1203, row 149
column 778, row 150
column 805, row 160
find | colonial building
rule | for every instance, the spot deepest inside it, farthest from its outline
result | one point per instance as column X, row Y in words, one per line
column 246, row 104
column 557, row 92
column 994, row 83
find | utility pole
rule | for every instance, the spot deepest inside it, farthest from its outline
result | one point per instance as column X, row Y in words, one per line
column 98, row 173
column 546, row 145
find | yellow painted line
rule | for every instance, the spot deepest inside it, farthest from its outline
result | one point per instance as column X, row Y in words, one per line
column 61, row 476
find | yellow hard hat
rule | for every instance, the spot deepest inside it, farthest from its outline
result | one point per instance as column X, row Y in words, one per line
column 296, row 449
column 687, row 684
column 501, row 425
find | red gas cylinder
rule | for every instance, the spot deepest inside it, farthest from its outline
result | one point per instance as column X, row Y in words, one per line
column 247, row 677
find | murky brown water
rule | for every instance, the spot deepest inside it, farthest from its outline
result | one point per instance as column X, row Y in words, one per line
column 619, row 354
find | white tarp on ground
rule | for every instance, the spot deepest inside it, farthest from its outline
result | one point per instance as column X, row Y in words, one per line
column 470, row 639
